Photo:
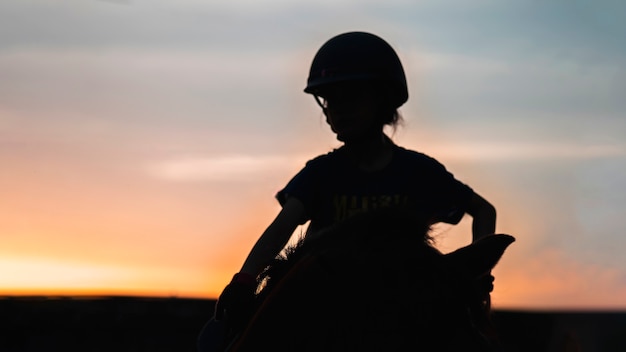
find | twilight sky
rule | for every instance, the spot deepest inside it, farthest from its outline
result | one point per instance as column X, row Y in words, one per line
column 142, row 142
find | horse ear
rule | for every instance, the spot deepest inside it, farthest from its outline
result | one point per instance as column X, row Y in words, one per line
column 481, row 256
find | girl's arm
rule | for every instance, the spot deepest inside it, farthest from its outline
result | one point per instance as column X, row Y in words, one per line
column 237, row 300
column 484, row 217
column 275, row 237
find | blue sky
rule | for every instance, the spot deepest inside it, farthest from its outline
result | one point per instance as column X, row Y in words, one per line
column 191, row 114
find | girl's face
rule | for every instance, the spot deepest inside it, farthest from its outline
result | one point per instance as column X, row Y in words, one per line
column 352, row 110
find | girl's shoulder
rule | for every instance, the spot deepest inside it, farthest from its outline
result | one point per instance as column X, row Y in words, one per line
column 409, row 156
column 330, row 158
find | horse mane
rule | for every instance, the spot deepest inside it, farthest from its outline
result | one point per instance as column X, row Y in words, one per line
column 358, row 234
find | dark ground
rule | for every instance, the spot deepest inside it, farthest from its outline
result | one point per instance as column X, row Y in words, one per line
column 161, row 324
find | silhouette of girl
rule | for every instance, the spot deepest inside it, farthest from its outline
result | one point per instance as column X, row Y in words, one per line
column 358, row 81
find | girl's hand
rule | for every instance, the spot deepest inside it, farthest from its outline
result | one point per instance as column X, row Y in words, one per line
column 236, row 303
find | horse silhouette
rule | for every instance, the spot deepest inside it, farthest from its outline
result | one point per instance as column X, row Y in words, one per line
column 375, row 283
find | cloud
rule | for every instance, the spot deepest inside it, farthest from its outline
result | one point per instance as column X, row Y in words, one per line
column 42, row 272
column 535, row 84
column 514, row 150
column 542, row 151
column 143, row 88
column 225, row 168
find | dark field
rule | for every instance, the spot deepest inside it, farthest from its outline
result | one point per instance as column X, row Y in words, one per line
column 162, row 324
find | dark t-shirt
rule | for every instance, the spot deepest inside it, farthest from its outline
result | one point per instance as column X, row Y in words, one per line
column 332, row 188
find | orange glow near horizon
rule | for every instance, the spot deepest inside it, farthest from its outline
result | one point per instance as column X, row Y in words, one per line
column 515, row 286
column 74, row 227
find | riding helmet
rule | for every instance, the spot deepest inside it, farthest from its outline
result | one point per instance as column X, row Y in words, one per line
column 358, row 56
